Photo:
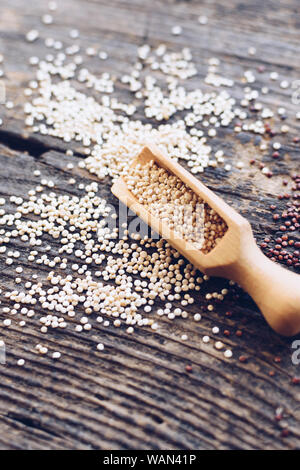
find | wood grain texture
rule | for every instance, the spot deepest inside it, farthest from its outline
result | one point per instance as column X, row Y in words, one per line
column 137, row 393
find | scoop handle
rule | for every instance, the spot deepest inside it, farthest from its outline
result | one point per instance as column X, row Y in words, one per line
column 275, row 290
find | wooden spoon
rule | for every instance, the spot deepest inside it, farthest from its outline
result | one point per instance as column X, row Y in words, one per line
column 275, row 290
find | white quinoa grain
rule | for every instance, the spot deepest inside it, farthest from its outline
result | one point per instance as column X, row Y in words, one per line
column 203, row 20
column 228, row 353
column 32, row 35
column 176, row 30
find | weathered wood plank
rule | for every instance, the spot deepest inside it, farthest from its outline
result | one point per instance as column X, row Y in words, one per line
column 222, row 404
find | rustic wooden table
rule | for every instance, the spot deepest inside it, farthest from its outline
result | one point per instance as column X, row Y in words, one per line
column 137, row 394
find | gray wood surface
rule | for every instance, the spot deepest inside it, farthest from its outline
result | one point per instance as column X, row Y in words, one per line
column 137, row 394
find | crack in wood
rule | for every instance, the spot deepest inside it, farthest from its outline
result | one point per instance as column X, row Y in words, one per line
column 30, row 422
column 30, row 145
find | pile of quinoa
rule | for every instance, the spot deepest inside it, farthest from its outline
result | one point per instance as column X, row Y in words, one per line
column 119, row 277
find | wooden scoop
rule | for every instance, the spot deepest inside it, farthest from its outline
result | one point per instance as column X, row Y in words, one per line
column 275, row 290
